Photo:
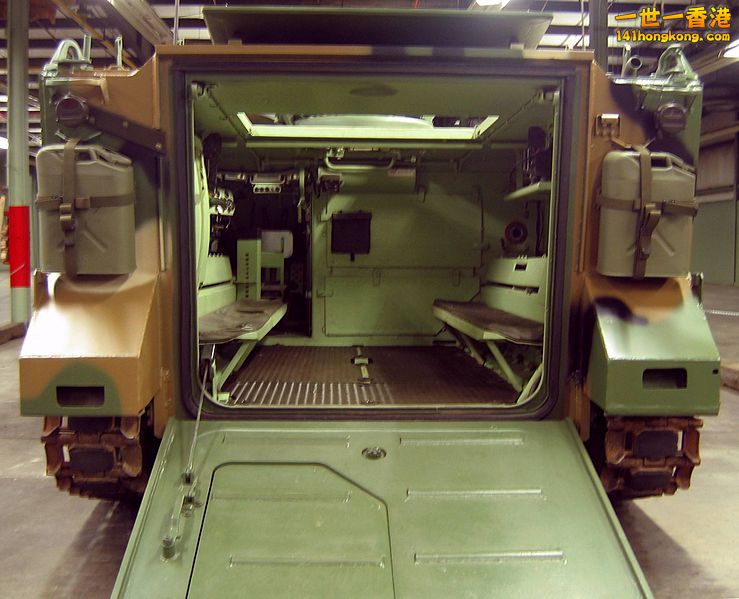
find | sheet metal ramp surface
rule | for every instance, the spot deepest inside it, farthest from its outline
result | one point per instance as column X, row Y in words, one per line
column 278, row 376
column 379, row 509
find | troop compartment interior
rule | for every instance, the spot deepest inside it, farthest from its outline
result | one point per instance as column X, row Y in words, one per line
column 367, row 241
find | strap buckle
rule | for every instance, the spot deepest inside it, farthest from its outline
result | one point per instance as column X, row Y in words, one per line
column 66, row 216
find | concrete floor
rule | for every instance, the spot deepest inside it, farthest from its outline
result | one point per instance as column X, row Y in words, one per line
column 60, row 546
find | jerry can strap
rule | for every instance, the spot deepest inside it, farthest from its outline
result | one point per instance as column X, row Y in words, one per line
column 649, row 212
column 668, row 208
column 66, row 208
column 84, row 202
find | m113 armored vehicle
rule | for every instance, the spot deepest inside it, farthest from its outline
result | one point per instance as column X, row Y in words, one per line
column 369, row 304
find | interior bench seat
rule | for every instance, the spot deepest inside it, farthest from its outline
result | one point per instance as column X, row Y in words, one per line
column 482, row 322
column 512, row 291
column 244, row 320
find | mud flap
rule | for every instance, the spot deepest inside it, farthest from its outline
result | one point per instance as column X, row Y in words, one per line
column 318, row 509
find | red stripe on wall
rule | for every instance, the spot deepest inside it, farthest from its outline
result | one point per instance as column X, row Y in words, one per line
column 19, row 245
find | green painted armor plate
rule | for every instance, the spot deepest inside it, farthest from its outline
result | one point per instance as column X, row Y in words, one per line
column 443, row 510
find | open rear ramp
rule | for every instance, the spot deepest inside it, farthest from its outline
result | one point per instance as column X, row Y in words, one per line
column 337, row 509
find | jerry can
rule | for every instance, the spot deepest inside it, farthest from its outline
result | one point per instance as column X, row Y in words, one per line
column 86, row 210
column 661, row 225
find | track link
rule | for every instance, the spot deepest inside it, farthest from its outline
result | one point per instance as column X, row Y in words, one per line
column 649, row 456
column 97, row 457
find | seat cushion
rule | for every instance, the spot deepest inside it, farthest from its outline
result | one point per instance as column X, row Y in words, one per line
column 512, row 327
column 244, row 319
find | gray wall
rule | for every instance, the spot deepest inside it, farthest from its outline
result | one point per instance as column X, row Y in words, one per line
column 716, row 239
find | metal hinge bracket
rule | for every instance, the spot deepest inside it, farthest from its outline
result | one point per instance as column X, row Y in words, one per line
column 608, row 125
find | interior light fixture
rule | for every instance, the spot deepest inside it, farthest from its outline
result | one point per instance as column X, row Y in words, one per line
column 491, row 3
column 732, row 50
column 3, row 143
column 341, row 133
column 144, row 19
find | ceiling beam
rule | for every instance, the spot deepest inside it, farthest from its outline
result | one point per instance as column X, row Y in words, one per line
column 707, row 64
column 615, row 8
column 144, row 19
column 722, row 134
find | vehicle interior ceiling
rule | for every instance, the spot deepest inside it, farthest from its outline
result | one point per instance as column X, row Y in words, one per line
column 372, row 242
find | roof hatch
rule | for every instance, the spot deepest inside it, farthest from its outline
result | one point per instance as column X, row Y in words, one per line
column 361, row 27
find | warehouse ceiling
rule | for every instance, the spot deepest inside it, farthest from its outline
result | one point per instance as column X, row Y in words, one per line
column 143, row 23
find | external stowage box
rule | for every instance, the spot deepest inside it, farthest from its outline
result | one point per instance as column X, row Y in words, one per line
column 92, row 232
column 672, row 206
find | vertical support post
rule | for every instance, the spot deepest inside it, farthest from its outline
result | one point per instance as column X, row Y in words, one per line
column 19, row 181
column 598, row 29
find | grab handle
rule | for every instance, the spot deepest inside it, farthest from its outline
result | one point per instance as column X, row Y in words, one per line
column 63, row 49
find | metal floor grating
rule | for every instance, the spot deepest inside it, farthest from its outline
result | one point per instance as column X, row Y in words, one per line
column 277, row 376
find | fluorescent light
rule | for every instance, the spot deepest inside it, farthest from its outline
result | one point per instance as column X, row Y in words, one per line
column 732, row 50
column 498, row 3
column 144, row 19
column 366, row 133
column 3, row 143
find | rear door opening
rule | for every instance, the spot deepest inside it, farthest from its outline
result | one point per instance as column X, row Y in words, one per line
column 367, row 241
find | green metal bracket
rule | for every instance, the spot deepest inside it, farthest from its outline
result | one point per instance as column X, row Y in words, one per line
column 508, row 373
column 249, row 268
column 237, row 361
column 251, row 260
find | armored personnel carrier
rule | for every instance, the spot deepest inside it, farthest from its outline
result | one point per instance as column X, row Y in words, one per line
column 369, row 304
